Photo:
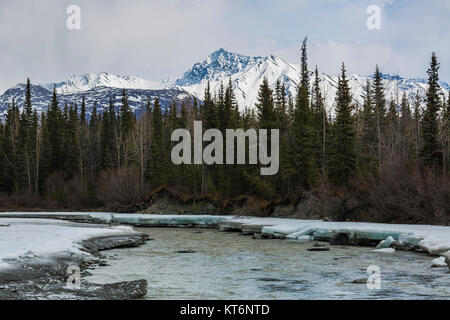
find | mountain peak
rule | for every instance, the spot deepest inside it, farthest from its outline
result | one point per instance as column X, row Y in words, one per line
column 219, row 52
column 219, row 64
column 229, row 55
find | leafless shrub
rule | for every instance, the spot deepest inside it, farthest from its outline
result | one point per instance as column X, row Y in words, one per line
column 19, row 200
column 406, row 194
column 120, row 189
column 55, row 187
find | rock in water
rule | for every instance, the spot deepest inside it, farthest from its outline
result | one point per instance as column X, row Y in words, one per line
column 125, row 290
column 339, row 239
column 360, row 281
column 114, row 241
column 186, row 251
column 316, row 244
column 319, row 248
column 403, row 245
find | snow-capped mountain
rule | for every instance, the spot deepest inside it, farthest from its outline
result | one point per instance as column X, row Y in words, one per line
column 246, row 74
column 98, row 96
column 91, row 81
column 217, row 66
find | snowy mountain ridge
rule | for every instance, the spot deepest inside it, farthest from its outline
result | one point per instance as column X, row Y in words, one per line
column 79, row 83
column 245, row 72
column 246, row 79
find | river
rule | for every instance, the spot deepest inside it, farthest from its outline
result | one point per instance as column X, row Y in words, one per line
column 182, row 263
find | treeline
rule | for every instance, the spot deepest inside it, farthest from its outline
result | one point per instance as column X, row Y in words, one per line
column 388, row 147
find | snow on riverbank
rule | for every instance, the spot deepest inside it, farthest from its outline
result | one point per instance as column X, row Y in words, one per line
column 45, row 239
column 433, row 239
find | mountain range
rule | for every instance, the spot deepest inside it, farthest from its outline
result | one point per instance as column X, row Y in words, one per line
column 246, row 74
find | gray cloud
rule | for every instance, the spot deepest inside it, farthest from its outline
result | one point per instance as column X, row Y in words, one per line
column 156, row 39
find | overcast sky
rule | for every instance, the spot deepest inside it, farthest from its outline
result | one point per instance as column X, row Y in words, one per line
column 157, row 39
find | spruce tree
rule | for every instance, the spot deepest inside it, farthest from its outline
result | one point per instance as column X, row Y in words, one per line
column 209, row 110
column 265, row 107
column 319, row 122
column 417, row 125
column 95, row 131
column 406, row 130
column 343, row 159
column 368, row 142
column 27, row 141
column 155, row 172
column 10, row 149
column 380, row 111
column 53, row 154
column 72, row 145
column 303, row 151
column 445, row 128
column 430, row 149
column 126, row 126
column 83, row 138
column 392, row 127
column 195, row 109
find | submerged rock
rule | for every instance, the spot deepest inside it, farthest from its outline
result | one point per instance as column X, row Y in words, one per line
column 319, row 248
column 123, row 290
column 403, row 245
column 340, row 239
column 186, row 251
column 360, row 281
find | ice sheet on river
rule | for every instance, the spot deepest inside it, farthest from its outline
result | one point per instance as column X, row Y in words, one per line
column 168, row 220
column 433, row 239
column 125, row 218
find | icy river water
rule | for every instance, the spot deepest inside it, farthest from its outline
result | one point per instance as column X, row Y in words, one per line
column 208, row 264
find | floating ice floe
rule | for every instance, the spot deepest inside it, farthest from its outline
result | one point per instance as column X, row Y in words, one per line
column 386, row 243
column 438, row 262
column 384, row 250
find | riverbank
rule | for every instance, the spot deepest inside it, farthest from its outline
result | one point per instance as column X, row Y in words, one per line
column 36, row 257
column 332, row 205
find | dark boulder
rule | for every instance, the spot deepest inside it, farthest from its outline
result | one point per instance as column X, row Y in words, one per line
column 340, row 239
